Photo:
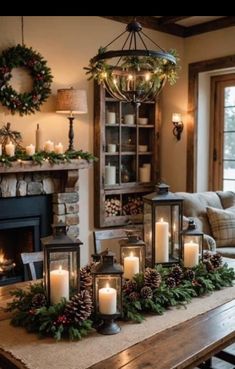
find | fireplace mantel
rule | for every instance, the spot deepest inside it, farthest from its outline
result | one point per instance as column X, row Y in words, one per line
column 29, row 166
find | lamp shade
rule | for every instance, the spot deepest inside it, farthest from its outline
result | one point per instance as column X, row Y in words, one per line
column 70, row 100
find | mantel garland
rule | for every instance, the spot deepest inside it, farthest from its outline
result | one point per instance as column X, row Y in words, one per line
column 28, row 102
column 153, row 291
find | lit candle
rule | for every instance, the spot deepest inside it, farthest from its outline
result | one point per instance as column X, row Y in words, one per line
column 10, row 149
column 49, row 146
column 59, row 149
column 162, row 242
column 0, row 149
column 108, row 300
column 30, row 150
column 191, row 254
column 131, row 266
column 59, row 285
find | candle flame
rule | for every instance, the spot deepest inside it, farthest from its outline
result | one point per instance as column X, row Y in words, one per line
column 161, row 220
column 107, row 285
column 60, row 268
column 174, row 227
column 131, row 254
column 2, row 257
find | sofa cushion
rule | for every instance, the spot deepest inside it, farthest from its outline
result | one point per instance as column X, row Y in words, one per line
column 222, row 224
column 227, row 198
column 227, row 252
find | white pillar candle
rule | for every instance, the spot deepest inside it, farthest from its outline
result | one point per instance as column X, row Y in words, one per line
column 0, row 149
column 111, row 117
column 131, row 266
column 59, row 285
column 161, row 242
column 110, row 175
column 191, row 254
column 59, row 149
column 112, row 147
column 30, row 150
column 144, row 174
column 129, row 119
column 49, row 146
column 10, row 149
column 108, row 300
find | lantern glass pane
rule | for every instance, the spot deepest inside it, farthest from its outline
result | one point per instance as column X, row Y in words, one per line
column 108, row 282
column 148, row 233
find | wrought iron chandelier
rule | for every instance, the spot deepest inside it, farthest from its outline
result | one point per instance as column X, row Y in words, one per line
column 135, row 75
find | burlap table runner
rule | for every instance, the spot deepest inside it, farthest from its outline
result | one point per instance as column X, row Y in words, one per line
column 47, row 354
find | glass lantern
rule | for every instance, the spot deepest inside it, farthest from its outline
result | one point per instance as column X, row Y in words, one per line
column 61, row 264
column 107, row 293
column 132, row 255
column 163, row 218
column 192, row 245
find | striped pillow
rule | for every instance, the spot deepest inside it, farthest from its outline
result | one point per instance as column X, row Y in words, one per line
column 222, row 224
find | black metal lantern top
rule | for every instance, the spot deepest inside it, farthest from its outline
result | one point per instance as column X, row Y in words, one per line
column 162, row 194
column 107, row 265
column 59, row 237
column 192, row 229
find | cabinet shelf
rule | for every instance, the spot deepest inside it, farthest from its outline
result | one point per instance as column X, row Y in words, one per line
column 128, row 165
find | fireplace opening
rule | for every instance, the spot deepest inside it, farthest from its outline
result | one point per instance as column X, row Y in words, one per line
column 23, row 221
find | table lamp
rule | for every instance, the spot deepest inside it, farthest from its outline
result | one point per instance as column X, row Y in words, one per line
column 71, row 101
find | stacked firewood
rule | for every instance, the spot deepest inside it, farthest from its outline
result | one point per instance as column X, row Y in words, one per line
column 133, row 206
column 112, row 207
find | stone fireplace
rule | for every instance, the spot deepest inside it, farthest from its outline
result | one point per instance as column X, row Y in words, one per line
column 32, row 197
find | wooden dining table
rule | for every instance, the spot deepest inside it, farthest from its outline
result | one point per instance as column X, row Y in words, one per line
column 186, row 345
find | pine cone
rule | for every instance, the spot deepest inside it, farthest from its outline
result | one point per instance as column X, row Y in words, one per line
column 86, row 278
column 208, row 264
column 170, row 282
column 146, row 292
column 216, row 260
column 177, row 274
column 79, row 307
column 206, row 255
column 39, row 300
column 152, row 278
column 130, row 286
column 189, row 274
column 134, row 296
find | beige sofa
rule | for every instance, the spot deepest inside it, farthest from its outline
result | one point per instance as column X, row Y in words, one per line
column 214, row 214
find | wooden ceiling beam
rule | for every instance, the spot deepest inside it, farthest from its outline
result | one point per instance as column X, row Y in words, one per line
column 210, row 26
column 172, row 19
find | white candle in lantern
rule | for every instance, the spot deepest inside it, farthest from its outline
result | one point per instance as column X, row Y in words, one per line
column 131, row 266
column 161, row 242
column 191, row 254
column 10, row 149
column 59, row 149
column 49, row 146
column 30, row 150
column 59, row 285
column 108, row 300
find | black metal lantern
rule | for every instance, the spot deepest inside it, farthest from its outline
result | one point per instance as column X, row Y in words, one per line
column 132, row 254
column 61, row 264
column 107, row 293
column 192, row 245
column 163, row 216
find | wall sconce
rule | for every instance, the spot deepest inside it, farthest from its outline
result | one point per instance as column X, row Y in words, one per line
column 178, row 125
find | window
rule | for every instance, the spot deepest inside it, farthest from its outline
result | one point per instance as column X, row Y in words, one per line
column 222, row 147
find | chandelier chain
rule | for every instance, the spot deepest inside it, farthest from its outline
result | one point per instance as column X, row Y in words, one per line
column 115, row 39
column 153, row 42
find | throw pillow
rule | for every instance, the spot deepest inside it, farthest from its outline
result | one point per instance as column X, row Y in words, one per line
column 222, row 224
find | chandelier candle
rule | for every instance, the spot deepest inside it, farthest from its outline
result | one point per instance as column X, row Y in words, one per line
column 59, row 281
column 162, row 244
column 191, row 254
column 131, row 266
column 108, row 300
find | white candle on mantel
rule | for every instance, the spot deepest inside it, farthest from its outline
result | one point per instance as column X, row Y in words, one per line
column 161, row 242
column 131, row 266
column 59, row 285
column 30, row 150
column 191, row 254
column 0, row 149
column 59, row 149
column 49, row 146
column 107, row 300
column 10, row 149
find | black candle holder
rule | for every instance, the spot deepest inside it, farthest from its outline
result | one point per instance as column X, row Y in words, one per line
column 108, row 324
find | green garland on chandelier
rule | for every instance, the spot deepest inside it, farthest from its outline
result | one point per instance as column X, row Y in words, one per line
column 27, row 102
column 153, row 291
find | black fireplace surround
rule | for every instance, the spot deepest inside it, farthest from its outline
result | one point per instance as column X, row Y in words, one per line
column 23, row 221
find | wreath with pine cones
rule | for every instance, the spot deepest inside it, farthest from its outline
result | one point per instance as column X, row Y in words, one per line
column 36, row 65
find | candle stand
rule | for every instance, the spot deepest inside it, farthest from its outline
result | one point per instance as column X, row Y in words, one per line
column 132, row 251
column 107, row 293
column 61, row 264
column 163, row 217
column 192, row 245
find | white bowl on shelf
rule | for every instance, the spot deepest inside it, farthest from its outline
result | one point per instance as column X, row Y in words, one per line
column 143, row 121
column 143, row 148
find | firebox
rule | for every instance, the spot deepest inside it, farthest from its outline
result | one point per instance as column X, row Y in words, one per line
column 23, row 221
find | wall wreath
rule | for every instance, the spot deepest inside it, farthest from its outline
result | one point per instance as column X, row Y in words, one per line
column 27, row 102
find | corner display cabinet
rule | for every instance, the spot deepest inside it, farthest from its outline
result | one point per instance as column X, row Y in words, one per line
column 126, row 144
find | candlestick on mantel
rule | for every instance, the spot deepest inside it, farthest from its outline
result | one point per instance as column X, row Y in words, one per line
column 161, row 241
column 10, row 149
column 59, row 285
column 191, row 254
column 131, row 266
column 107, row 300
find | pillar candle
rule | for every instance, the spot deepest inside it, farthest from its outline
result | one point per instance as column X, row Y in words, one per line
column 131, row 266
column 59, row 285
column 110, row 175
column 111, row 117
column 59, row 149
column 30, row 150
column 49, row 146
column 108, row 300
column 191, row 254
column 0, row 149
column 161, row 242
column 144, row 174
column 10, row 149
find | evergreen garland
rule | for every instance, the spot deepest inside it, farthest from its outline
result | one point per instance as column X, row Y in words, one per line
column 27, row 102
